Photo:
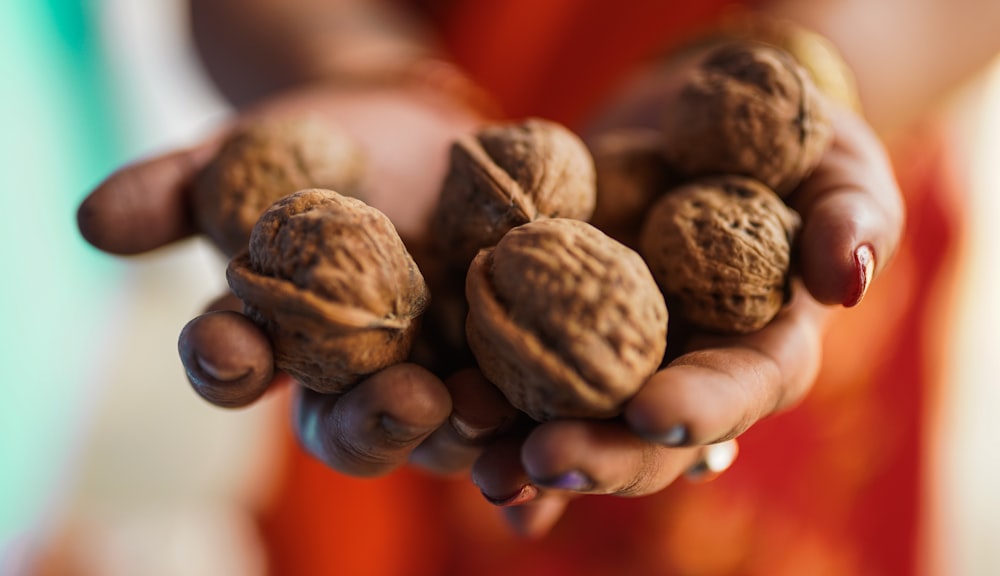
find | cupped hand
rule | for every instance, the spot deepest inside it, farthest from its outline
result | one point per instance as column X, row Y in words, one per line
column 685, row 418
column 375, row 426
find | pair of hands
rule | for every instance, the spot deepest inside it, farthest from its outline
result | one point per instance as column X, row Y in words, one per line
column 852, row 221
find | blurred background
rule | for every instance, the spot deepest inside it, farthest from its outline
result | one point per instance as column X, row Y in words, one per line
column 103, row 445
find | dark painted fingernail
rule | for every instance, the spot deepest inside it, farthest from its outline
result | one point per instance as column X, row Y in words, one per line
column 524, row 494
column 676, row 435
column 400, row 432
column 573, row 480
column 220, row 374
column 864, row 268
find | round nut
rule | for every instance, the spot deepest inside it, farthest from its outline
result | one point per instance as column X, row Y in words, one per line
column 748, row 109
column 565, row 321
column 506, row 175
column 331, row 283
column 265, row 160
column 720, row 248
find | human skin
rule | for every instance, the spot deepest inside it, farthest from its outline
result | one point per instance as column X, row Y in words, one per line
column 715, row 391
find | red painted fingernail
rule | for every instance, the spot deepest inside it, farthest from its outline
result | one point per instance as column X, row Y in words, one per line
column 864, row 265
column 525, row 494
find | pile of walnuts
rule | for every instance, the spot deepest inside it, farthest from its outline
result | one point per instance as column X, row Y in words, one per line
column 567, row 318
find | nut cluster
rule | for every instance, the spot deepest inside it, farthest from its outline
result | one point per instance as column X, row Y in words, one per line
column 746, row 127
column 563, row 316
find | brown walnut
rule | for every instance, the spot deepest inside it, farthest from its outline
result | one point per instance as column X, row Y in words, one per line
column 564, row 320
column 510, row 174
column 265, row 160
column 631, row 174
column 720, row 248
column 748, row 109
column 330, row 281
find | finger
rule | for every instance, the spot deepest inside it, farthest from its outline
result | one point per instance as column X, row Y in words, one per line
column 499, row 475
column 373, row 428
column 713, row 394
column 535, row 519
column 228, row 359
column 852, row 213
column 145, row 205
column 601, row 457
column 479, row 413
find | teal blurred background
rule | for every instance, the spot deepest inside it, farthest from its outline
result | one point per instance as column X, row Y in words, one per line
column 59, row 136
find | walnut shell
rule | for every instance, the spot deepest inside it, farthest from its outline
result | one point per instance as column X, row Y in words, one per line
column 631, row 174
column 330, row 281
column 506, row 175
column 748, row 109
column 720, row 248
column 564, row 320
column 265, row 160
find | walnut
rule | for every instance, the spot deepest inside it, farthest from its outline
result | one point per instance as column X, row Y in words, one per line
column 330, row 281
column 565, row 321
column 720, row 248
column 631, row 174
column 264, row 160
column 506, row 175
column 748, row 109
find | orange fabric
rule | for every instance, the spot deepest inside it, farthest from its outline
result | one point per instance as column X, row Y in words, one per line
column 831, row 487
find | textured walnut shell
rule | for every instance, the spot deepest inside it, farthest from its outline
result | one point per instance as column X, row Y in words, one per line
column 331, row 283
column 265, row 160
column 565, row 321
column 720, row 248
column 631, row 174
column 506, row 175
column 748, row 109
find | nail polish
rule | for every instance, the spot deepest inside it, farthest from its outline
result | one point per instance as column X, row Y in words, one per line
column 676, row 435
column 574, row 480
column 864, row 265
column 524, row 494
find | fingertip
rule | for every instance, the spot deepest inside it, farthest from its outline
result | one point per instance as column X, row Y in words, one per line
column 375, row 426
column 411, row 395
column 536, row 519
column 144, row 205
column 479, row 410
column 227, row 358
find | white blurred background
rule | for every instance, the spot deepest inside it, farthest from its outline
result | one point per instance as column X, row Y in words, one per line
column 99, row 435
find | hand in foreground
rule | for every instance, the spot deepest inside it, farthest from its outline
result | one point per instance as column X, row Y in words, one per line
column 686, row 416
column 376, row 425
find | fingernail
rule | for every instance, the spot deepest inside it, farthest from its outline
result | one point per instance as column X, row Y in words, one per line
column 218, row 373
column 400, row 432
column 574, row 480
column 524, row 494
column 864, row 265
column 469, row 432
column 676, row 435
column 715, row 459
